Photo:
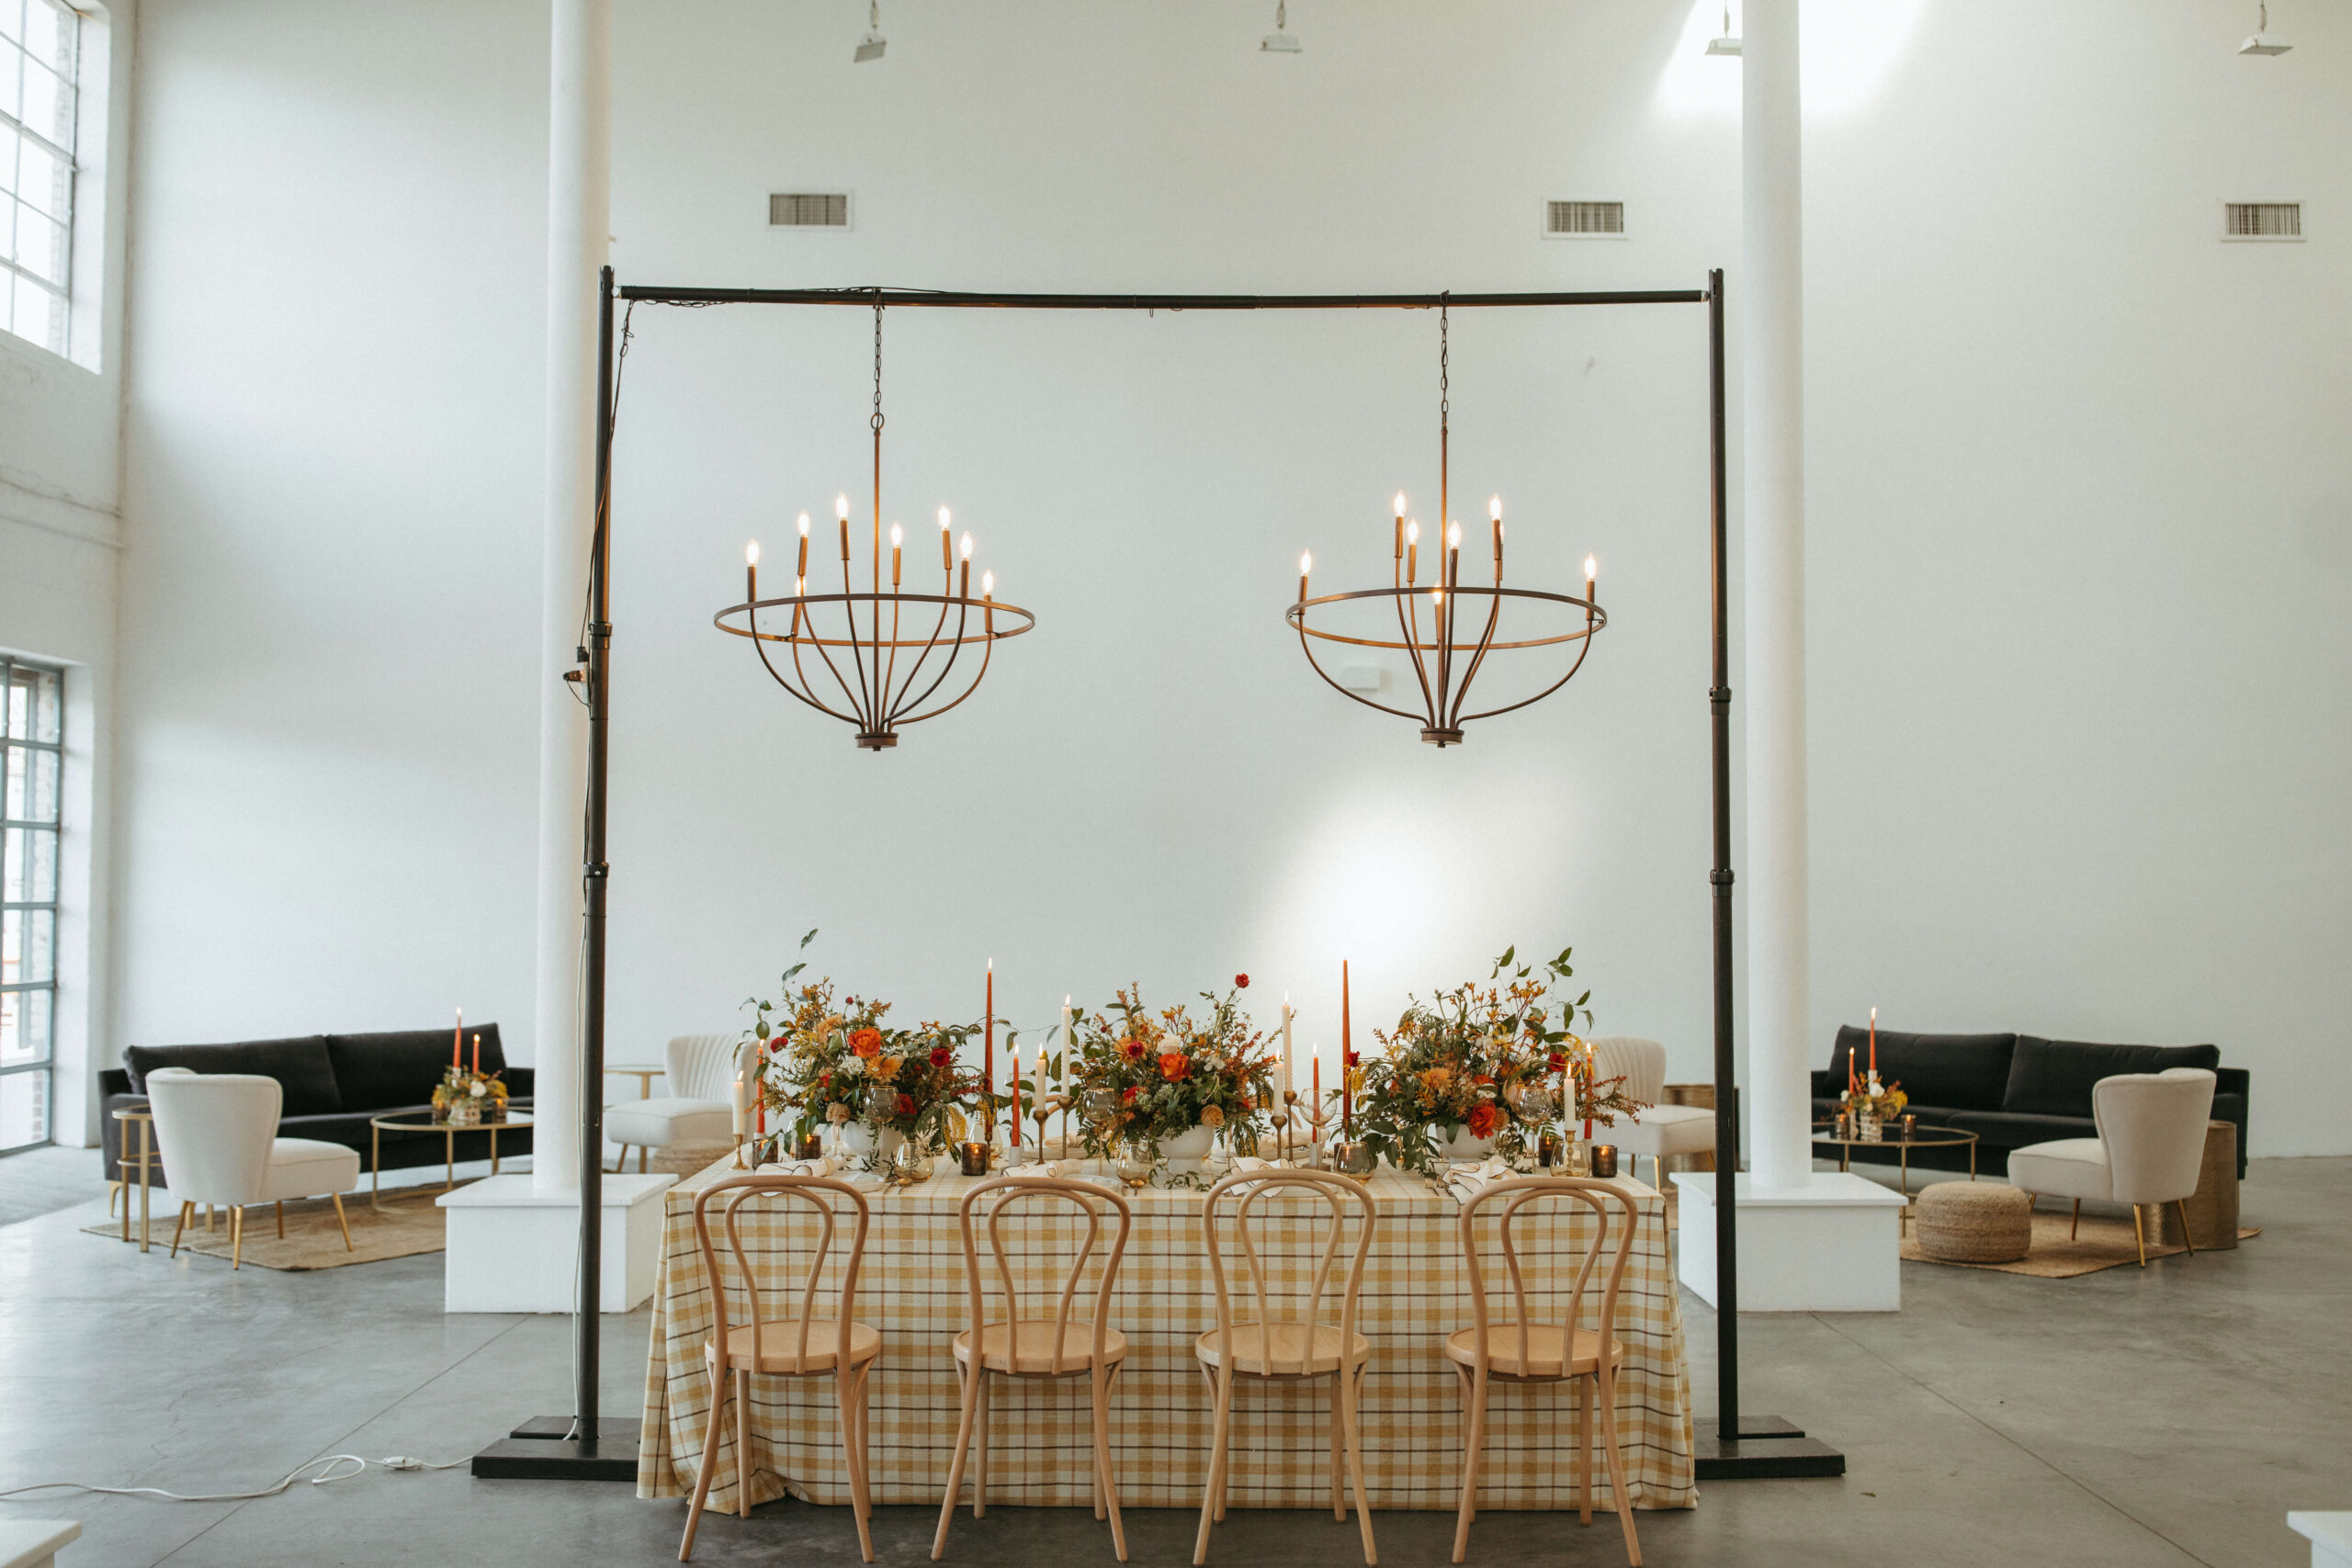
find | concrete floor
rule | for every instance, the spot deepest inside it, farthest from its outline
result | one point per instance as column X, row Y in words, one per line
column 2169, row 1417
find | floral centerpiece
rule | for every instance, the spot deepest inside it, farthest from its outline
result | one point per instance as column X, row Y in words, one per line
column 467, row 1098
column 1869, row 1104
column 1141, row 1078
column 1490, row 1063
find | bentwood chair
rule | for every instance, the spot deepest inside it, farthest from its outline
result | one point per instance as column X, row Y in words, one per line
column 1272, row 1345
column 1031, row 1345
column 802, row 1344
column 221, row 1130
column 1519, row 1349
column 2150, row 1146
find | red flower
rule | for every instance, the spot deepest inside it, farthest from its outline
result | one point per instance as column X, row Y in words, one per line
column 1485, row 1117
column 941, row 1055
column 1128, row 1098
column 1242, row 981
column 1173, row 1065
column 824, row 1078
column 1481, row 1079
column 906, row 1105
column 1559, row 1063
column 1132, row 1049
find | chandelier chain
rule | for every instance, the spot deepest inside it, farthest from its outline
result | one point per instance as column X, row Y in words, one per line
column 876, row 421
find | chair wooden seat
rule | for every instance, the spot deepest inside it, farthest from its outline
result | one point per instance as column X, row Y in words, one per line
column 779, row 1344
column 1033, row 1348
column 1252, row 1357
column 1545, row 1355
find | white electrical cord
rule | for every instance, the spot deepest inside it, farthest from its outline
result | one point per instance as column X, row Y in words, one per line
column 393, row 1462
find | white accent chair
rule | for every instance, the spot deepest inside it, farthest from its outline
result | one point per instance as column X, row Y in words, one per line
column 221, row 1130
column 2150, row 1145
column 699, row 1107
column 1660, row 1130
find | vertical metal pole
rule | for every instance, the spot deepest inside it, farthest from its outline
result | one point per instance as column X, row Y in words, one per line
column 593, row 875
column 1726, row 1088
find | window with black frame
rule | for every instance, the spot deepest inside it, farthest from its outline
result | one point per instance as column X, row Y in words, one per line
column 32, row 760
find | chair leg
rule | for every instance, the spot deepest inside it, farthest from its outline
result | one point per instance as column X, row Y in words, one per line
column 2180, row 1207
column 640, row 1170
column 980, row 1449
column 2139, row 1236
column 237, row 1236
column 340, row 1220
column 179, row 1227
column 1352, row 1421
column 1462, row 1379
column 113, row 1188
column 1477, row 1435
column 712, row 1424
column 1584, row 1449
column 1607, row 1378
column 2076, row 1225
column 743, row 1443
column 1099, row 1385
column 1220, row 1436
column 962, row 1441
column 1338, row 1506
column 842, row 1381
column 621, row 1154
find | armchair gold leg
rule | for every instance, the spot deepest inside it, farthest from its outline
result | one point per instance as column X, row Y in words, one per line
column 281, row 1219
column 2075, row 1223
column 2139, row 1236
column 178, row 1228
column 2180, row 1207
column 341, row 1220
column 237, row 1236
column 620, row 1158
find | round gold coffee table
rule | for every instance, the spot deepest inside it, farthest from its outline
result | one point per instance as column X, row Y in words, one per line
column 1895, row 1137
column 413, row 1123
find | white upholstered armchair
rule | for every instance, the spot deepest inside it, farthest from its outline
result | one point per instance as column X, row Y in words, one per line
column 218, row 1133
column 2151, row 1142
column 1660, row 1130
column 699, row 1107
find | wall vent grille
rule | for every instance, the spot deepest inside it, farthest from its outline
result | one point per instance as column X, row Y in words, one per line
column 2263, row 221
column 1584, row 219
column 808, row 209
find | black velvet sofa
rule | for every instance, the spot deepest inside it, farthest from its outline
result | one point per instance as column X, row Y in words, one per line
column 333, row 1084
column 2008, row 1089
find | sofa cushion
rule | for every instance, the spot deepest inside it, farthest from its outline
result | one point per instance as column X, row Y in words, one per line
column 303, row 1065
column 2014, row 1130
column 403, row 1066
column 2054, row 1078
column 1934, row 1069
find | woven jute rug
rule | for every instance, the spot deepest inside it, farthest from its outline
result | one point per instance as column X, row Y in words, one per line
column 407, row 1225
column 2104, row 1243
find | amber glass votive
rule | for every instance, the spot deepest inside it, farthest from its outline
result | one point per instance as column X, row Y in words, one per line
column 972, row 1157
column 1604, row 1160
column 1910, row 1125
column 1549, row 1150
column 808, row 1146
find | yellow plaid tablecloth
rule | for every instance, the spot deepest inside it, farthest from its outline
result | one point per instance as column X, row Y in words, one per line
column 911, row 1288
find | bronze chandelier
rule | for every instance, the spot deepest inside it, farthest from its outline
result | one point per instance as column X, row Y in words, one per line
column 867, row 687
column 1446, row 657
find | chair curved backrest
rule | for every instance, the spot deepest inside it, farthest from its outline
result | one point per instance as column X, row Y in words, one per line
column 215, row 1130
column 1606, row 1202
column 1641, row 1063
column 1246, row 1192
column 1050, row 1193
column 703, row 1066
column 2153, row 1127
column 817, row 1192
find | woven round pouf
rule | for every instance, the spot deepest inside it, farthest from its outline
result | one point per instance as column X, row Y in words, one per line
column 1975, row 1222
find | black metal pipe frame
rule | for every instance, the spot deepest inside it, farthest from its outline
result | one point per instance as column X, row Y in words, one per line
column 595, row 872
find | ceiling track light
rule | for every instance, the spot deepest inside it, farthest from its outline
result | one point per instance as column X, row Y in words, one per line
column 871, row 46
column 1279, row 42
column 2263, row 42
column 1728, row 42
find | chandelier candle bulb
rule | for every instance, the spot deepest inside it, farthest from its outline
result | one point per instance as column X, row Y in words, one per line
column 1305, row 563
column 897, row 537
column 802, row 571
column 1412, row 552
column 947, row 543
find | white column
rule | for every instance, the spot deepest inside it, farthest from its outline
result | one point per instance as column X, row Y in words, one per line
column 1771, row 297
column 580, row 137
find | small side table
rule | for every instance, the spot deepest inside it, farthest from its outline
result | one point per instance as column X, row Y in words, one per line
column 644, row 1077
column 2214, row 1207
column 146, row 1164
column 378, row 1126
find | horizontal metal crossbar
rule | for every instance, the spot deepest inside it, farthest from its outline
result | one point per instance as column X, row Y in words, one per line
column 954, row 299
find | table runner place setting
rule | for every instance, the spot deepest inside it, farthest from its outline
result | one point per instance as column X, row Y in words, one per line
column 885, row 1133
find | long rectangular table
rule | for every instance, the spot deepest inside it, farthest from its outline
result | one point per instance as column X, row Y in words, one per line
column 913, row 1289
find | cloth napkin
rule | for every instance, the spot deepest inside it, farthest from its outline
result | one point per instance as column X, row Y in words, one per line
column 820, row 1167
column 1465, row 1181
column 1038, row 1172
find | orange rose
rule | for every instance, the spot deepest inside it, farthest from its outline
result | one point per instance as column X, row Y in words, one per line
column 1485, row 1117
column 866, row 1042
column 1173, row 1065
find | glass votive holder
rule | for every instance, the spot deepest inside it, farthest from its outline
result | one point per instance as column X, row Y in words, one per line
column 1910, row 1124
column 808, row 1146
column 1548, row 1150
column 1604, row 1160
column 972, row 1157
column 1352, row 1157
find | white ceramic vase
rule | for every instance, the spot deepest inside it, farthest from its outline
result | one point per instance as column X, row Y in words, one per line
column 1189, row 1150
column 1464, row 1147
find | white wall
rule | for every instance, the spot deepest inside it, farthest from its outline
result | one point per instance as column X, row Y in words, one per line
column 334, row 424
column 60, row 430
